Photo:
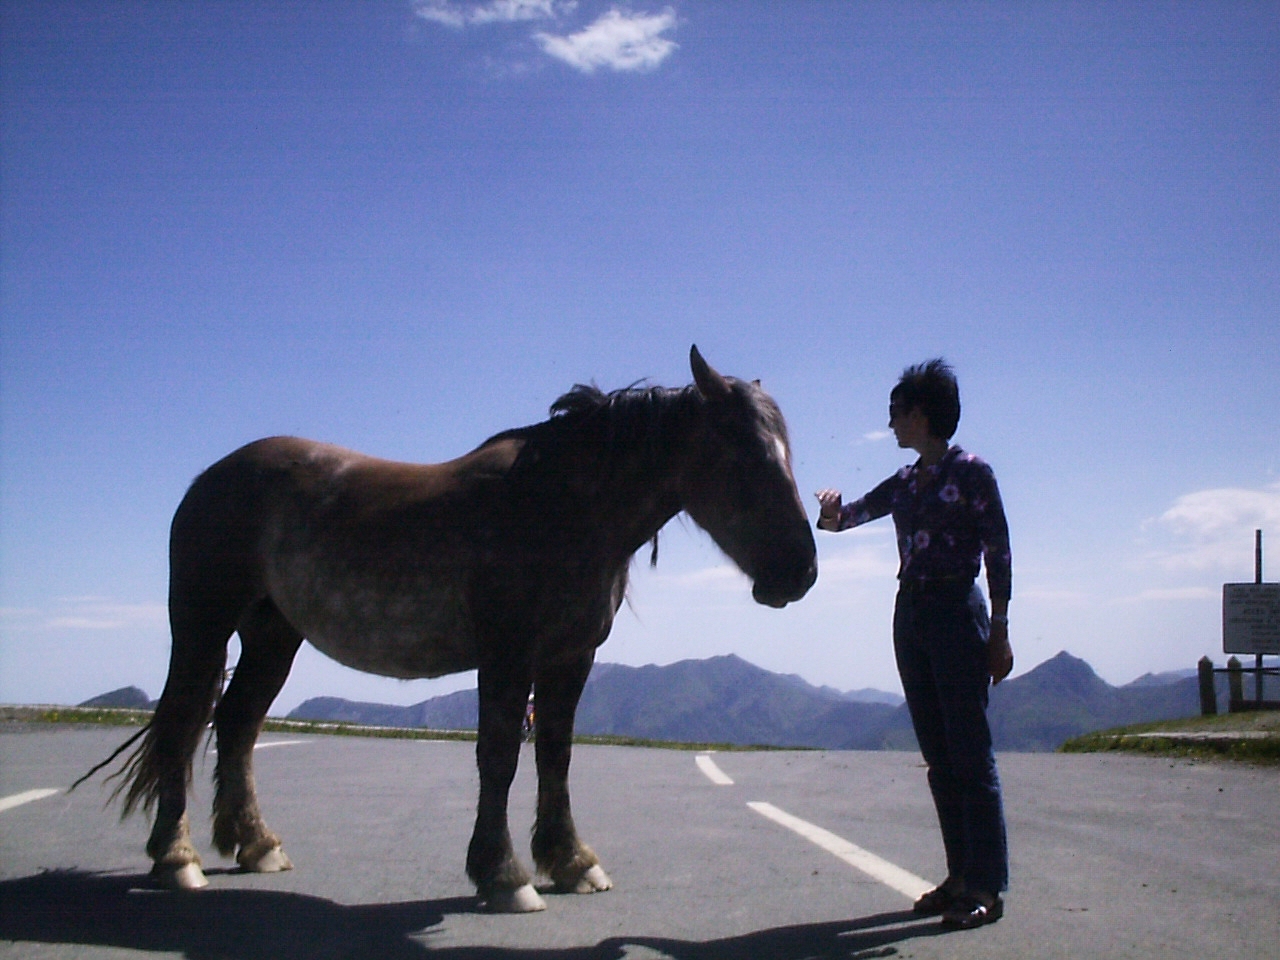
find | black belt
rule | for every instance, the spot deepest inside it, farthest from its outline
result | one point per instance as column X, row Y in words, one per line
column 937, row 587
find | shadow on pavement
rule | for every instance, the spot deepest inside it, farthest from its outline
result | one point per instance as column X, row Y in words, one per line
column 125, row 911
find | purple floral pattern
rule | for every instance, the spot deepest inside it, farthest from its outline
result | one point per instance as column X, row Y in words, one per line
column 949, row 519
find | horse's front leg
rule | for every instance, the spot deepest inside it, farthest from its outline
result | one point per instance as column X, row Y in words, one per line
column 570, row 863
column 503, row 885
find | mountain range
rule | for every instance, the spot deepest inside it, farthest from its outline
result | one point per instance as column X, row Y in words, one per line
column 728, row 700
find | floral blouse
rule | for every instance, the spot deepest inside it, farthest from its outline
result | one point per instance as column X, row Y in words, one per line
column 948, row 517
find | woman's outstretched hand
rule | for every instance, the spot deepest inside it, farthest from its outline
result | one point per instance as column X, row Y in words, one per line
column 830, row 502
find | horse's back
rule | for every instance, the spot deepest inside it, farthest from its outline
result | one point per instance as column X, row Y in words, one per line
column 280, row 472
column 276, row 464
column 370, row 559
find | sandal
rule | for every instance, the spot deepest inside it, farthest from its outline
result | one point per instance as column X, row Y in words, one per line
column 940, row 899
column 972, row 911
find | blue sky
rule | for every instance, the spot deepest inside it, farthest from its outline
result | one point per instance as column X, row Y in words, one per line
column 402, row 227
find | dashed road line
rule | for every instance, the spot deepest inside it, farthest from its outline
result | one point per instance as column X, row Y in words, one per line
column 18, row 799
column 714, row 773
column 891, row 875
column 267, row 743
column 877, row 868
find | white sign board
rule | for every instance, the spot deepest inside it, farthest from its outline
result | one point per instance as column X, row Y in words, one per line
column 1251, row 618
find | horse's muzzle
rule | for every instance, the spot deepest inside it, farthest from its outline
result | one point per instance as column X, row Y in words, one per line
column 778, row 592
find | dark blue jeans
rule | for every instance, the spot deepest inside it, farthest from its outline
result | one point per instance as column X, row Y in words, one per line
column 940, row 640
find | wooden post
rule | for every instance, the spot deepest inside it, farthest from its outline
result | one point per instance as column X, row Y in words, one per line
column 1257, row 578
column 1235, row 684
column 1208, row 695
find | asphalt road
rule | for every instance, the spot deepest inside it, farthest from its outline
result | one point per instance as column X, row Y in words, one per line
column 1113, row 856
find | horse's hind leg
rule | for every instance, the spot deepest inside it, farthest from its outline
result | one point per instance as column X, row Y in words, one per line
column 267, row 648
column 570, row 863
column 161, row 771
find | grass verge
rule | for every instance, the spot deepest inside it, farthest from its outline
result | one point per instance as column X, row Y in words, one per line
column 1248, row 737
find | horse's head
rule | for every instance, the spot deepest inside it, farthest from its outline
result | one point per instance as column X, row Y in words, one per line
column 738, row 486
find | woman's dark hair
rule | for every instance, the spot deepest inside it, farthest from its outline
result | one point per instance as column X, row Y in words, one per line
column 932, row 388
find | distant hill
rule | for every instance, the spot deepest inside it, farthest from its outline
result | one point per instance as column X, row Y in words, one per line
column 728, row 700
column 1063, row 698
column 453, row 711
column 127, row 698
column 724, row 700
column 1160, row 679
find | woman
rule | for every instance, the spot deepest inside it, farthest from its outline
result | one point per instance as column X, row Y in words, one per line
column 949, row 519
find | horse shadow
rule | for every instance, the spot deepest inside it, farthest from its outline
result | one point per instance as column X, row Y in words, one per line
column 125, row 911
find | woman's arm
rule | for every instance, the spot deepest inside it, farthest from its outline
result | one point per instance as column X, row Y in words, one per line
column 998, row 559
column 836, row 516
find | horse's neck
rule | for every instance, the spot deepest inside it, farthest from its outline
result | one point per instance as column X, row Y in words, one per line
column 640, row 519
column 642, row 477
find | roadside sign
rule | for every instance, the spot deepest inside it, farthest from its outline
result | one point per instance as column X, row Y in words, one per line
column 1251, row 618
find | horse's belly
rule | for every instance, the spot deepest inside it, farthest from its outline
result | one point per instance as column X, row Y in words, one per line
column 390, row 654
column 421, row 633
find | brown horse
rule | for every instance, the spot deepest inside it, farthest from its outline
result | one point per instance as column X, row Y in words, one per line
column 511, row 560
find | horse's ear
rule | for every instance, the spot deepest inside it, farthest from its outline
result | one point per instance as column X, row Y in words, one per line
column 710, row 384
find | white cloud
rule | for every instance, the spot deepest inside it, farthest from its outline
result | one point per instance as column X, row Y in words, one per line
column 875, row 436
column 458, row 15
column 623, row 42
column 514, row 11
column 873, row 562
column 1055, row 595
column 85, row 613
column 1213, row 530
column 618, row 39
column 1173, row 594
column 721, row 577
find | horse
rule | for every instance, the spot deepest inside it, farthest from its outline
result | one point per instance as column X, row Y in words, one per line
column 511, row 560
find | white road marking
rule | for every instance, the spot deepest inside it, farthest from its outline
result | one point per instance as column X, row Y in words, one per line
column 714, row 773
column 30, row 796
column 18, row 799
column 268, row 743
column 891, row 875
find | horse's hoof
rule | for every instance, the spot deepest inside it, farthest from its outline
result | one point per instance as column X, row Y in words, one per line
column 189, row 876
column 595, row 880
column 520, row 900
column 274, row 860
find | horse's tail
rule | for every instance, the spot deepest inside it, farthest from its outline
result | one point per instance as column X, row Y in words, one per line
column 211, row 582
column 170, row 738
column 205, row 600
column 111, row 759
column 140, row 773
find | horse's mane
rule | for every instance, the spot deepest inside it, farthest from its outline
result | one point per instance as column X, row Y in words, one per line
column 634, row 414
column 625, row 427
column 614, row 422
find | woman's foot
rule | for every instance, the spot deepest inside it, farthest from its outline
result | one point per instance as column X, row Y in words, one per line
column 973, row 910
column 940, row 899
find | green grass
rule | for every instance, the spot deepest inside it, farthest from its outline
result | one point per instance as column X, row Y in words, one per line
column 97, row 716
column 1264, row 749
column 101, row 716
